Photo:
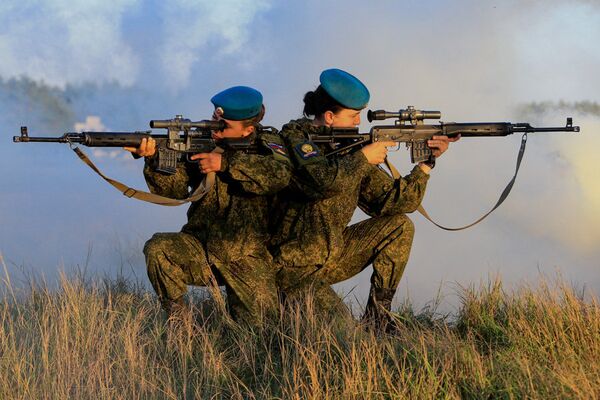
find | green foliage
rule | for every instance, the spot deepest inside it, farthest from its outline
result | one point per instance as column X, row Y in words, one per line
column 483, row 317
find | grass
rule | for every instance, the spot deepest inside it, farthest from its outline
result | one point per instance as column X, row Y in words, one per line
column 110, row 340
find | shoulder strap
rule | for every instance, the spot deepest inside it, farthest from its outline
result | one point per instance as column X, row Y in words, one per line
column 503, row 195
column 202, row 189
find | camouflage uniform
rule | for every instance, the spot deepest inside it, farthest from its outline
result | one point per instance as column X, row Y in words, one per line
column 226, row 233
column 313, row 243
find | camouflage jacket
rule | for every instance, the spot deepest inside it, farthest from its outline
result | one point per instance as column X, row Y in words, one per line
column 233, row 217
column 324, row 193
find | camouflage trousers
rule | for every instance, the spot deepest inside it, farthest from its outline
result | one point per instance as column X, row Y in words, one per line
column 383, row 241
column 176, row 260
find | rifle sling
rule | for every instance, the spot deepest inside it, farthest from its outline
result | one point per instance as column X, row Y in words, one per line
column 202, row 189
column 503, row 196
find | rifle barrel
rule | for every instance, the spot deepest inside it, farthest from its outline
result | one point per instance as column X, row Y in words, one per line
column 93, row 139
column 547, row 129
column 61, row 139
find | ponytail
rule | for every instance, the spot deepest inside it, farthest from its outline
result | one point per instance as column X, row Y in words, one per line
column 317, row 102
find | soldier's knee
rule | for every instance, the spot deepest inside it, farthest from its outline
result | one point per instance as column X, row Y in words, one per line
column 404, row 225
column 409, row 226
column 400, row 237
column 150, row 247
column 154, row 247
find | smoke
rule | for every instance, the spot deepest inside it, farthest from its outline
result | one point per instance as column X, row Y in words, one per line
column 61, row 42
column 66, row 41
column 544, row 108
column 219, row 28
column 25, row 102
column 568, row 189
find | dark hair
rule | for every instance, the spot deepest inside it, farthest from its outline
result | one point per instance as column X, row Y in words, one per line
column 319, row 101
column 254, row 121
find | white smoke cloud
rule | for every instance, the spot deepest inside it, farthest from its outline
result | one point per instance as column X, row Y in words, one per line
column 192, row 26
column 565, row 181
column 66, row 41
column 559, row 51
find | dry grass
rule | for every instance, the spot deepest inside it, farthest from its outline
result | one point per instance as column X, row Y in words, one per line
column 110, row 340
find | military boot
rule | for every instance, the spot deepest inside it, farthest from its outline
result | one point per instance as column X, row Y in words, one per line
column 378, row 314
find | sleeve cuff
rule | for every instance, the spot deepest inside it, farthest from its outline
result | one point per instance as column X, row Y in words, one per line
column 225, row 156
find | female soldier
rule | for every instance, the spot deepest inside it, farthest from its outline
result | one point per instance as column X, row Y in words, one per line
column 314, row 244
column 226, row 233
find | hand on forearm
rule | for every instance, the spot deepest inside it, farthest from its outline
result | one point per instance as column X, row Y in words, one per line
column 147, row 148
column 439, row 144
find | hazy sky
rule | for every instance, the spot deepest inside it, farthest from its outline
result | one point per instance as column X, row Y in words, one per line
column 129, row 61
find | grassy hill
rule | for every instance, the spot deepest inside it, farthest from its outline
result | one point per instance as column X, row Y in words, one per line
column 109, row 339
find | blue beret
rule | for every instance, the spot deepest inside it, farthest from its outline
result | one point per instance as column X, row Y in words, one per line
column 238, row 102
column 344, row 88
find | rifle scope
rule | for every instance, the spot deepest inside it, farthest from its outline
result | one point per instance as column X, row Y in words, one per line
column 410, row 114
column 181, row 123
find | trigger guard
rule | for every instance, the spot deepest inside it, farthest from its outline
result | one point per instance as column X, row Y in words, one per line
column 188, row 159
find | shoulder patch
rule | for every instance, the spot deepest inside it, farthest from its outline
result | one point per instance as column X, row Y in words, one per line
column 307, row 150
column 277, row 148
column 273, row 144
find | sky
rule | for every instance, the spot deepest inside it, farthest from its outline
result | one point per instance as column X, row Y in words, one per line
column 66, row 65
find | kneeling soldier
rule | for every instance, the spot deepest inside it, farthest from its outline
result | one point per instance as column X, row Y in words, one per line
column 314, row 244
column 226, row 231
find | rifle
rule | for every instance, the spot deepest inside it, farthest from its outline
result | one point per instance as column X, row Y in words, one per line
column 409, row 128
column 183, row 139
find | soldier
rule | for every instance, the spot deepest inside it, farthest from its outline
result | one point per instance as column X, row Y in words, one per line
column 314, row 244
column 226, row 233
